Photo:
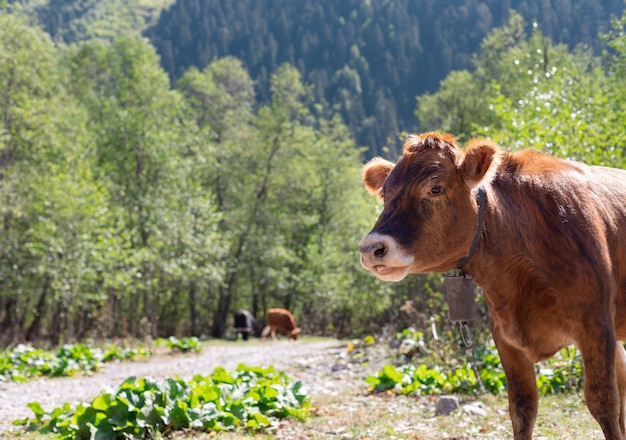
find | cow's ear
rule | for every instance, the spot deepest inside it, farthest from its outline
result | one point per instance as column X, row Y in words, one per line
column 480, row 162
column 374, row 174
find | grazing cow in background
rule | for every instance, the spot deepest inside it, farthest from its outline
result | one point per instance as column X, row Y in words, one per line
column 244, row 321
column 550, row 256
column 281, row 321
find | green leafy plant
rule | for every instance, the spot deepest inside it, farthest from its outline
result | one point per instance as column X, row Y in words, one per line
column 24, row 361
column 251, row 398
column 183, row 345
column 114, row 353
column 423, row 380
column 562, row 374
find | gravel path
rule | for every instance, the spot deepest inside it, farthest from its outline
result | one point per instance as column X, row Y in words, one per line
column 311, row 362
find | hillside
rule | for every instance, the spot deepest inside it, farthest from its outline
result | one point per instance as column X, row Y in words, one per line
column 72, row 21
column 366, row 59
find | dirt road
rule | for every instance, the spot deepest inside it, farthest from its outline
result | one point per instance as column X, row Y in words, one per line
column 311, row 362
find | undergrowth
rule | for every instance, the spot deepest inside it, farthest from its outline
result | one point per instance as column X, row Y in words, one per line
column 252, row 398
column 420, row 368
column 25, row 362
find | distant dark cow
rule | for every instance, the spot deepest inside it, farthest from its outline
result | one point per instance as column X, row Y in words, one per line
column 281, row 321
column 550, row 256
column 244, row 321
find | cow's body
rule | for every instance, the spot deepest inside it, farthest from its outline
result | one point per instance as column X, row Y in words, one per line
column 243, row 323
column 551, row 259
column 280, row 321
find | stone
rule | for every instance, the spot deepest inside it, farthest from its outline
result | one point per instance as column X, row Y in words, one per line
column 446, row 405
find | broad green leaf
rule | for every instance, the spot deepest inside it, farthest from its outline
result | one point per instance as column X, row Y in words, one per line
column 37, row 409
column 101, row 402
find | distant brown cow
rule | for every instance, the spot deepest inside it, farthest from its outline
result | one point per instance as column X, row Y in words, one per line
column 550, row 256
column 281, row 321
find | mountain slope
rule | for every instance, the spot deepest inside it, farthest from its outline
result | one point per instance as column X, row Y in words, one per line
column 366, row 59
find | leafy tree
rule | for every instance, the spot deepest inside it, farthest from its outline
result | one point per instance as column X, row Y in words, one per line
column 366, row 59
column 73, row 21
column 42, row 174
column 221, row 100
column 453, row 111
column 277, row 124
column 613, row 130
column 135, row 118
column 522, row 94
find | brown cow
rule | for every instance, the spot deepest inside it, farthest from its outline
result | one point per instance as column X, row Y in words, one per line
column 551, row 257
column 281, row 321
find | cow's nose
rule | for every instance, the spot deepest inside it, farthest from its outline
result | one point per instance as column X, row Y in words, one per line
column 372, row 249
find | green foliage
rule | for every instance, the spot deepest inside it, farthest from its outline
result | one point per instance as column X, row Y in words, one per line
column 527, row 91
column 453, row 112
column 73, row 21
column 25, row 362
column 423, row 380
column 251, row 398
column 182, row 345
column 135, row 209
column 562, row 374
column 366, row 60
column 131, row 206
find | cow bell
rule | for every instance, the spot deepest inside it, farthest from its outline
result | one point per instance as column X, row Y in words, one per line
column 460, row 295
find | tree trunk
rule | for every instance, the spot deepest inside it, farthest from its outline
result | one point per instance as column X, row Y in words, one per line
column 33, row 331
column 11, row 329
column 193, row 311
column 150, row 326
column 112, row 330
column 151, row 329
column 56, row 327
column 221, row 313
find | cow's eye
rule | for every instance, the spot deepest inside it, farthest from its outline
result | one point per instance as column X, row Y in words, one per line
column 435, row 190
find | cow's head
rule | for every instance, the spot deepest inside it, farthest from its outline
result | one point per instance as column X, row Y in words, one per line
column 429, row 215
column 293, row 334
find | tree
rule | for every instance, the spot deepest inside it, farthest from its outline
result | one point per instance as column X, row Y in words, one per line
column 52, row 205
column 277, row 124
column 221, row 101
column 134, row 115
column 522, row 94
column 458, row 105
column 613, row 129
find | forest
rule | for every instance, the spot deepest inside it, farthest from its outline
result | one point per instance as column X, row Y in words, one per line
column 137, row 203
column 366, row 60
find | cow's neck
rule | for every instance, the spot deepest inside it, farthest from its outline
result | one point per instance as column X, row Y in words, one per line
column 481, row 200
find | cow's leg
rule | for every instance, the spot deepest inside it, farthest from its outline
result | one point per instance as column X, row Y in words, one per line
column 273, row 334
column 522, row 388
column 598, row 350
column 266, row 331
column 620, row 371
